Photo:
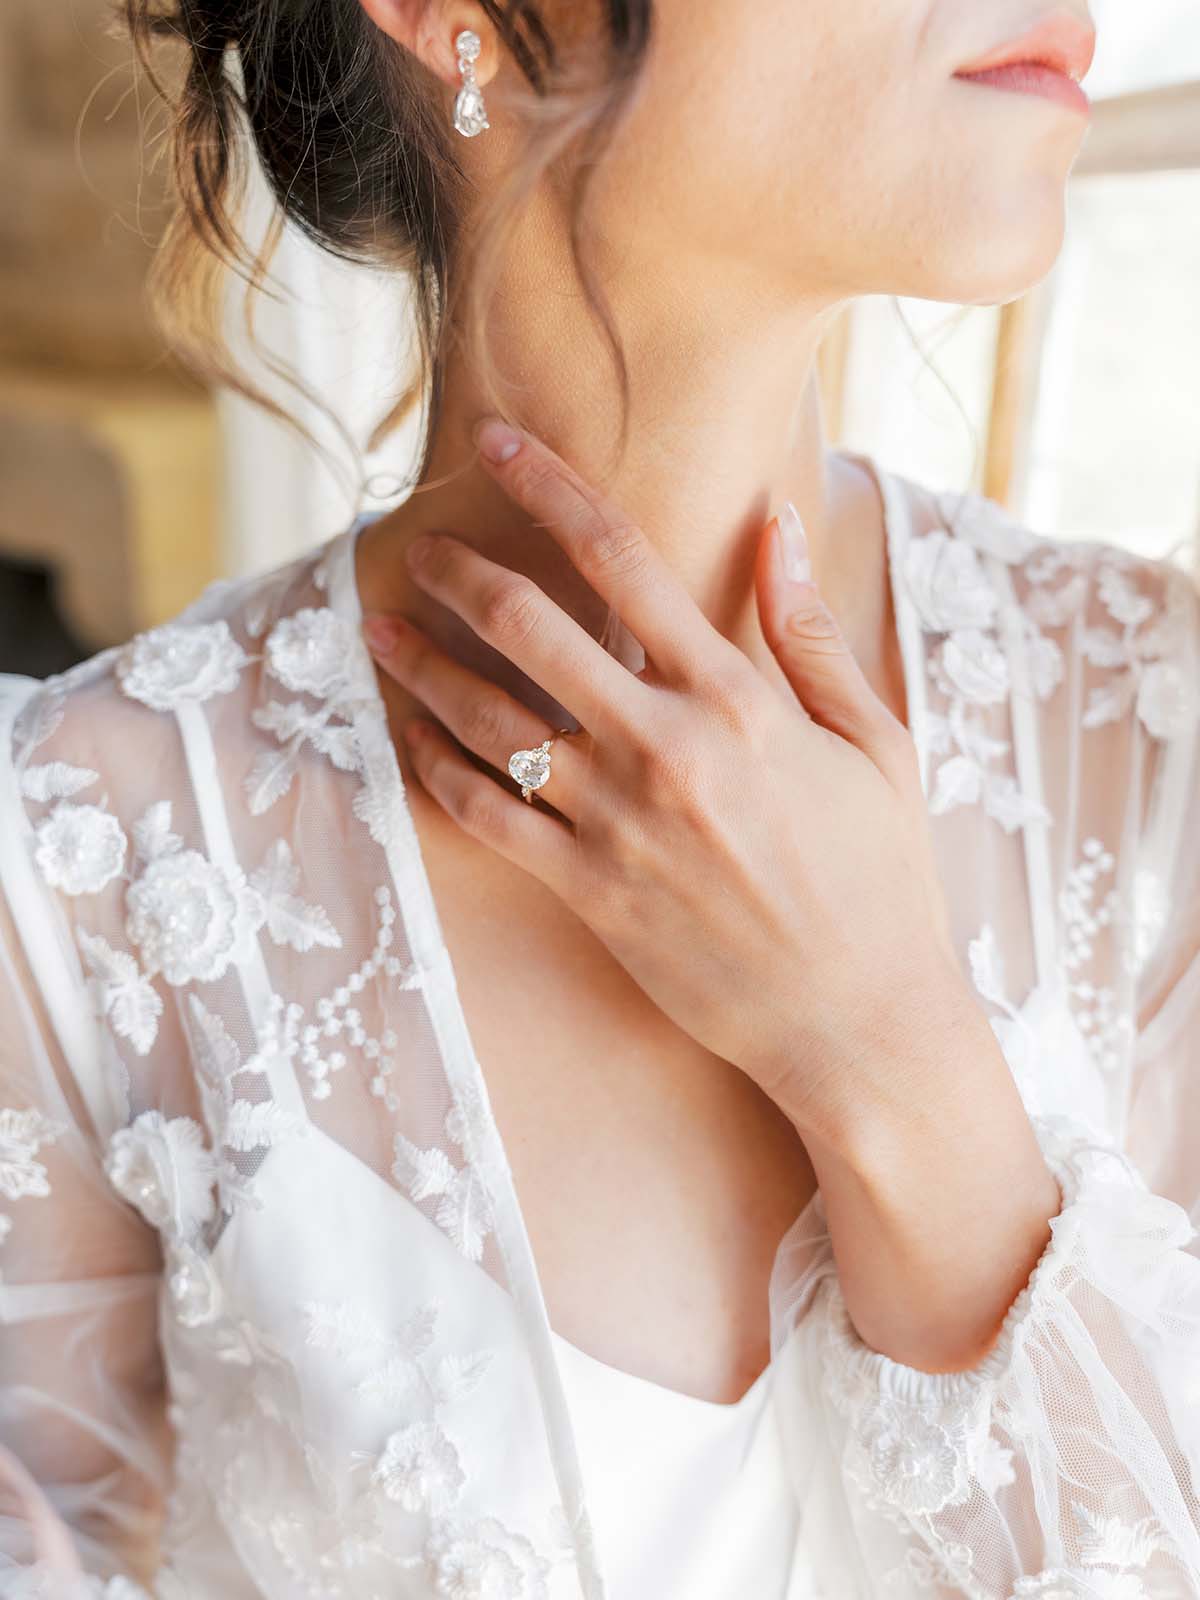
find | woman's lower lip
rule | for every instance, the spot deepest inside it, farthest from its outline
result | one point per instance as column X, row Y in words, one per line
column 1027, row 77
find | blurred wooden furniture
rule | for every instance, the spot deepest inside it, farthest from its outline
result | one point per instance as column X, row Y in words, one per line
column 113, row 480
column 109, row 461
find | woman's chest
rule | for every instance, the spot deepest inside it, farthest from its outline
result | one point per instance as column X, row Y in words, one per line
column 654, row 1179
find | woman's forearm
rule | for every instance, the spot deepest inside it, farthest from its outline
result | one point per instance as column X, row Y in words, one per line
column 938, row 1207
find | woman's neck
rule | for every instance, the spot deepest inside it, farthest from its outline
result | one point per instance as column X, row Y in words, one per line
column 725, row 425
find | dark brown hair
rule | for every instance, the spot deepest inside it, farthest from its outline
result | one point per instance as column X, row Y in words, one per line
column 354, row 138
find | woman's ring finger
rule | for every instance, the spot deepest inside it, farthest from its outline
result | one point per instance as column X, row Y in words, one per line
column 484, row 719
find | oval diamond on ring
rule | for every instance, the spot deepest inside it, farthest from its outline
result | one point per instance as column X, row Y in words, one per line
column 531, row 768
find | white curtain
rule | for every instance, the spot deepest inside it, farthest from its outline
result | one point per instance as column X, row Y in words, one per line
column 346, row 331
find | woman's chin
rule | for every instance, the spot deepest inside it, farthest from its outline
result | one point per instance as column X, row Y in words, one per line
column 1009, row 258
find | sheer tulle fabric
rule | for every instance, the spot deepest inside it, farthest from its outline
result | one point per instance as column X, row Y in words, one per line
column 269, row 1320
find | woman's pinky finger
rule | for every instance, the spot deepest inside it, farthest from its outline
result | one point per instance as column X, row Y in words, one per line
column 524, row 834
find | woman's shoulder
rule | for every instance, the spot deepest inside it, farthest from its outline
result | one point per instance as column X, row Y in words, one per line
column 1115, row 629
column 127, row 709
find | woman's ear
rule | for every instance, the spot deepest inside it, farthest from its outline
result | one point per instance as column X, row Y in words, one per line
column 428, row 28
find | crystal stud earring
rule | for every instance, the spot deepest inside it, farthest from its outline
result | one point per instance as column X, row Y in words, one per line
column 470, row 114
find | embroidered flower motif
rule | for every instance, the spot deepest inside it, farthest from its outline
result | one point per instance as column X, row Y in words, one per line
column 22, row 1134
column 419, row 1468
column 1166, row 701
column 485, row 1561
column 190, row 918
column 947, row 584
column 1143, row 658
column 913, row 1458
column 975, row 666
column 967, row 777
column 80, row 848
column 164, row 1169
column 986, row 526
column 308, row 652
column 192, row 1285
column 180, row 663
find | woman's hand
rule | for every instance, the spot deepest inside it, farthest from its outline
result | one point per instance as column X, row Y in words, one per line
column 759, row 863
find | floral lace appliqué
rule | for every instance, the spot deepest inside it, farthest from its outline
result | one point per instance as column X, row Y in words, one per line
column 954, row 597
column 180, row 663
column 22, row 1175
column 79, row 848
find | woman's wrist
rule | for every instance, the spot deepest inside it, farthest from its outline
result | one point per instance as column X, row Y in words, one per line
column 938, row 1204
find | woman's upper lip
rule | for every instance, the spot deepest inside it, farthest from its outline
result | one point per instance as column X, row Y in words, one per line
column 1063, row 41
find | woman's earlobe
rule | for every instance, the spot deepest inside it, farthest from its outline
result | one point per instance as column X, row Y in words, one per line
column 431, row 32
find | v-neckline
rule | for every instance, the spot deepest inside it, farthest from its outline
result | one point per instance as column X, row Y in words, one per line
column 460, row 1059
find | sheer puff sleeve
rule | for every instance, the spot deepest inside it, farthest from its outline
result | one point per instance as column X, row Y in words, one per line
column 84, row 1443
column 1066, row 1464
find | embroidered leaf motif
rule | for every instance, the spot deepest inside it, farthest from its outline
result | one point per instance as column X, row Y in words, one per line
column 269, row 779
column 285, row 719
column 422, row 1172
column 39, row 717
column 249, row 1126
column 294, row 724
column 455, row 1377
column 987, row 966
column 392, row 1384
column 1113, row 1542
column 463, row 1210
column 339, row 742
column 55, row 780
column 415, row 1334
column 22, row 1134
column 1124, row 602
column 152, row 836
column 1110, row 701
column 1046, row 665
column 959, row 782
column 1009, row 805
column 370, row 805
column 341, row 1328
column 1102, row 647
column 216, row 1055
column 121, row 991
column 289, row 920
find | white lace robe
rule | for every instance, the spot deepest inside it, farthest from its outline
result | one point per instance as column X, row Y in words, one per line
column 231, row 1047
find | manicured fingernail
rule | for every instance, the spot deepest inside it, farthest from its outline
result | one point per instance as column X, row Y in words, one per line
column 496, row 440
column 381, row 631
column 795, row 545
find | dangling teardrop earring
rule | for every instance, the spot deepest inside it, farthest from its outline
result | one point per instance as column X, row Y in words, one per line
column 470, row 114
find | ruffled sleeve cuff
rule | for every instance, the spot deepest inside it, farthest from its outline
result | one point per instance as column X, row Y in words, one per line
column 1113, row 1271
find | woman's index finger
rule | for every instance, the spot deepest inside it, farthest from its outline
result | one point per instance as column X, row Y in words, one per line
column 604, row 544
